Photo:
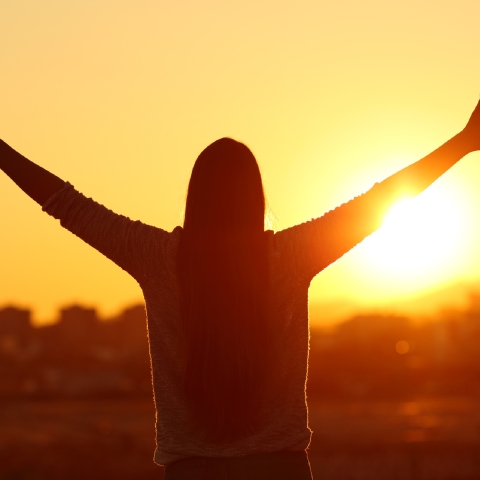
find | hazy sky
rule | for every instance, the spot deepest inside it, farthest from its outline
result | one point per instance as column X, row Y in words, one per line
column 120, row 97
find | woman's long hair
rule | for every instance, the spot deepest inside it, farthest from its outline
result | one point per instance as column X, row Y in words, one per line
column 223, row 279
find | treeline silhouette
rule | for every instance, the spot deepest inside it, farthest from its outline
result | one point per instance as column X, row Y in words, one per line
column 367, row 356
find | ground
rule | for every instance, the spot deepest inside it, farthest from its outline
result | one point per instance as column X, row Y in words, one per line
column 425, row 438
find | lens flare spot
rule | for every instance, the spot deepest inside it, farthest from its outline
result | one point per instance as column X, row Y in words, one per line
column 402, row 347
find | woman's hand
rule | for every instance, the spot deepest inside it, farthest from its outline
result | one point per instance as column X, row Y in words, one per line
column 471, row 132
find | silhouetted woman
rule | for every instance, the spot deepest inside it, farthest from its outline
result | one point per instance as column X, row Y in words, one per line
column 227, row 302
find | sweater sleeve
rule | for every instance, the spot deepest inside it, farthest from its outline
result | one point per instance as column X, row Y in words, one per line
column 312, row 246
column 132, row 245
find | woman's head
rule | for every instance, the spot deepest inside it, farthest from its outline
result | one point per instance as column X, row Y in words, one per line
column 222, row 268
column 225, row 190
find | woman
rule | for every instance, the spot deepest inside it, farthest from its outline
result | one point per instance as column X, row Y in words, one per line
column 227, row 302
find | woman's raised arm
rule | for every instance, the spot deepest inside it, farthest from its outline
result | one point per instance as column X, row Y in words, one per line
column 126, row 242
column 34, row 180
column 415, row 178
column 320, row 242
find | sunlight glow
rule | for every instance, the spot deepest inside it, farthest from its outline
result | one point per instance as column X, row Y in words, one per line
column 420, row 236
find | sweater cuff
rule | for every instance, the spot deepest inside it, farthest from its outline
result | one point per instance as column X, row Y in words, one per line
column 49, row 205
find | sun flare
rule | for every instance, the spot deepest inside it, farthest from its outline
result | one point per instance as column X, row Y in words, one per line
column 419, row 237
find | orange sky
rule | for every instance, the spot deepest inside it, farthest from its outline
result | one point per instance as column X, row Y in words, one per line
column 119, row 98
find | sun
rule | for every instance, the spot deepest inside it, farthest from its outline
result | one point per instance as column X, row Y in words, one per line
column 422, row 236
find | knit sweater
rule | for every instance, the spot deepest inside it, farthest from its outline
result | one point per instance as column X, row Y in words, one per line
column 296, row 255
